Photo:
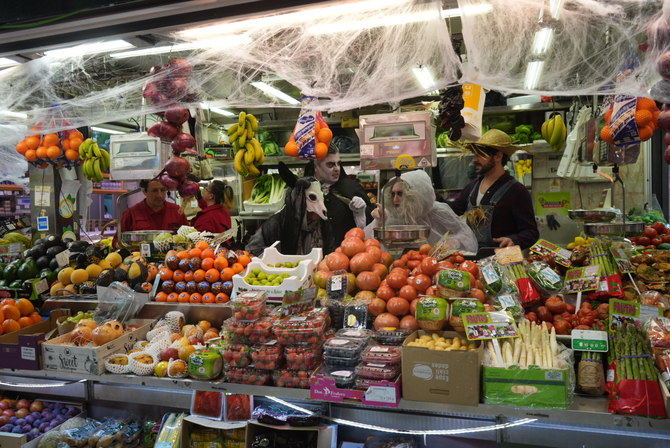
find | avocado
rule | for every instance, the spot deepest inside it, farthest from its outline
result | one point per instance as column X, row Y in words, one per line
column 120, row 275
column 27, row 287
column 39, row 250
column 43, row 262
column 10, row 272
column 53, row 264
column 106, row 277
column 77, row 246
column 17, row 284
column 26, row 253
column 87, row 287
column 38, row 241
column 96, row 252
column 67, row 241
column 54, row 250
column 52, row 240
column 3, row 283
column 28, row 270
column 78, row 260
column 124, row 252
column 49, row 275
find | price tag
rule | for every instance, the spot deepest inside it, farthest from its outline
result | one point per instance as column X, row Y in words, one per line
column 41, row 286
column 154, row 289
column 582, row 279
column 337, row 286
column 622, row 261
column 380, row 394
column 496, row 325
column 63, row 258
column 145, row 250
column 42, row 223
column 28, row 353
column 589, row 341
column 623, row 312
column 544, row 247
column 509, row 255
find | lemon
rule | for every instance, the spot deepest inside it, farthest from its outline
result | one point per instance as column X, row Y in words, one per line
column 114, row 259
column 64, row 276
column 93, row 270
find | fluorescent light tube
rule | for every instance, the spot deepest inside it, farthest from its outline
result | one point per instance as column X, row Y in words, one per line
column 186, row 46
column 106, row 130
column 424, row 76
column 542, row 40
column 6, row 62
column 9, row 113
column 533, row 73
column 95, row 47
column 555, row 7
column 271, row 91
column 468, row 10
column 224, row 112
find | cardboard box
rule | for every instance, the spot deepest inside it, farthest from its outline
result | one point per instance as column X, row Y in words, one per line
column 193, row 423
column 666, row 394
column 544, row 388
column 442, row 377
column 380, row 393
column 69, row 358
column 20, row 349
column 326, row 436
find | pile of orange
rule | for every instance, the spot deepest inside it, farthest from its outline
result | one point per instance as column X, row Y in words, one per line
column 17, row 314
column 323, row 136
column 213, row 267
column 646, row 119
column 50, row 147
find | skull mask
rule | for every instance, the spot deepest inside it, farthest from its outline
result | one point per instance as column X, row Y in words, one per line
column 314, row 200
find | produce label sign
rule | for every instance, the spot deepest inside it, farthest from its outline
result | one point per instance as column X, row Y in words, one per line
column 479, row 326
column 296, row 302
column 338, row 285
column 622, row 261
column 561, row 255
column 586, row 278
column 623, row 312
column 509, row 255
column 589, row 341
column 553, row 203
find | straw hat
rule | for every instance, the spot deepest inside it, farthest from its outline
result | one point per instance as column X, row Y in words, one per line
column 494, row 139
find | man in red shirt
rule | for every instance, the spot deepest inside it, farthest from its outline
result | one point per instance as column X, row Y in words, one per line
column 154, row 212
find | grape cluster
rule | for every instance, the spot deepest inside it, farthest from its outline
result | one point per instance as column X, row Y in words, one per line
column 451, row 103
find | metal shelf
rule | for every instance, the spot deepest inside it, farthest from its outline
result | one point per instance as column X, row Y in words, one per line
column 532, row 107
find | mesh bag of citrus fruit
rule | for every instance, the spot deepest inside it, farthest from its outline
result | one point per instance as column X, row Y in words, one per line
column 311, row 135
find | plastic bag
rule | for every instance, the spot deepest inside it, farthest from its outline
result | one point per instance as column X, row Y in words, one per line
column 590, row 374
column 528, row 294
column 663, row 363
column 117, row 302
column 509, row 303
column 548, row 281
column 495, row 278
column 658, row 332
column 311, row 135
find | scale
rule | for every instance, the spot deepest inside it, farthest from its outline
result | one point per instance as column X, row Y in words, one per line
column 395, row 143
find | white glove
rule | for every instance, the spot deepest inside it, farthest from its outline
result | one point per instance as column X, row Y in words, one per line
column 357, row 204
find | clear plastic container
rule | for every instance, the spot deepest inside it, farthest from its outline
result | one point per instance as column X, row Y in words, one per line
column 291, row 378
column 382, row 354
column 237, row 355
column 248, row 376
column 300, row 330
column 257, row 332
column 249, row 306
column 379, row 371
column 355, row 333
column 344, row 378
column 302, row 358
column 391, row 337
column 364, row 383
column 340, row 361
column 267, row 356
column 343, row 347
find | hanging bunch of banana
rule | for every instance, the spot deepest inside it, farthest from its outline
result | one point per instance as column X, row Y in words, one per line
column 248, row 150
column 96, row 160
column 555, row 132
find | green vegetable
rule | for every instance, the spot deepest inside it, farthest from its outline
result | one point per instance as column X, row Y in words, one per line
column 524, row 129
column 268, row 188
column 545, row 277
column 492, row 279
column 443, row 140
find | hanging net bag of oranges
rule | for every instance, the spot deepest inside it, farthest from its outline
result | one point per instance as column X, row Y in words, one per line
column 311, row 135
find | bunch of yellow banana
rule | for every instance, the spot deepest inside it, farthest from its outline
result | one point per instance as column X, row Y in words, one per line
column 555, row 132
column 96, row 160
column 580, row 241
column 248, row 150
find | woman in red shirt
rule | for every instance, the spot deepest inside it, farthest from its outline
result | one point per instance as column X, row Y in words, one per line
column 215, row 202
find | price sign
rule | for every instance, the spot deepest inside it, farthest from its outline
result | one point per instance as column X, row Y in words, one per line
column 623, row 312
column 582, row 279
column 589, row 341
column 622, row 261
column 63, row 258
column 380, row 394
column 561, row 255
column 496, row 325
column 509, row 255
column 338, row 285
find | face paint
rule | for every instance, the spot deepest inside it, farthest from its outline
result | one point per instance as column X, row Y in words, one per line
column 327, row 170
column 314, row 200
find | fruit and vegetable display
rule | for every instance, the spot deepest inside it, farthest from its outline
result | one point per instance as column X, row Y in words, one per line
column 17, row 314
column 96, row 160
column 555, row 132
column 654, row 236
column 57, row 149
column 87, row 332
column 249, row 154
column 34, row 418
column 268, row 189
column 525, row 133
column 435, row 342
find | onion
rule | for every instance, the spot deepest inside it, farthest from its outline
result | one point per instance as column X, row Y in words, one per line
column 190, row 97
column 666, row 138
column 663, row 64
column 180, row 68
column 160, row 100
column 658, row 33
column 150, row 90
column 173, row 88
column 176, row 115
column 182, row 142
column 188, row 189
column 666, row 155
column 169, row 182
column 156, row 69
column 163, row 130
column 664, row 119
column 177, row 167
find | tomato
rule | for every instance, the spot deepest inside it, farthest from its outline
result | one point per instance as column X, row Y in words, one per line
column 421, row 282
column 408, row 292
column 471, row 267
column 656, row 241
column 643, row 241
column 556, row 305
column 666, row 238
column 445, row 265
column 413, row 264
column 431, row 291
column 660, row 228
column 562, row 326
column 650, row 247
column 396, row 280
column 429, row 266
column 477, row 294
column 385, row 292
column 650, row 232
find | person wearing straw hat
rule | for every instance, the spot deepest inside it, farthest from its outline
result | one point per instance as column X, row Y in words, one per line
column 496, row 206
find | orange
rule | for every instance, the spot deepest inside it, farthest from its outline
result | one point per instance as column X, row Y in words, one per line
column 324, row 135
column 65, row 144
column 237, row 268
column 172, row 297
column 25, row 321
column 207, row 253
column 208, row 297
column 643, row 117
column 161, row 297
column 646, row 132
column 291, row 149
column 178, row 276
column 606, row 134
column 194, row 253
column 188, row 276
column 50, row 140
column 71, row 154
column 54, row 152
column 220, row 263
column 227, row 274
column 184, row 297
column 41, row 152
column 244, row 260
column 212, row 275
column 76, row 134
column 21, row 148
column 646, row 103
column 36, row 318
column 608, row 116
column 222, row 297
column 10, row 325
column 202, row 245
column 321, row 150
column 199, row 275
column 166, row 273
column 75, row 143
column 8, row 302
column 182, row 254
column 30, row 155
column 25, row 306
column 196, row 297
column 207, row 264
column 10, row 312
column 32, row 142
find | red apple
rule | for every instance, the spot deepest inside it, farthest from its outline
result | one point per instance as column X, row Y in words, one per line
column 21, row 413
column 4, row 405
column 169, row 353
column 37, row 406
column 23, row 403
column 8, row 413
column 195, row 341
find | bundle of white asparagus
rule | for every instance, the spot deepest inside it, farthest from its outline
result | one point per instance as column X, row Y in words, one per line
column 536, row 346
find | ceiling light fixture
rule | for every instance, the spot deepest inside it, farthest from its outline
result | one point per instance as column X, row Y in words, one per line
column 468, row 10
column 555, row 7
column 218, row 110
column 106, row 130
column 90, row 48
column 269, row 90
column 424, row 76
column 9, row 113
column 185, row 46
column 533, row 73
column 542, row 41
